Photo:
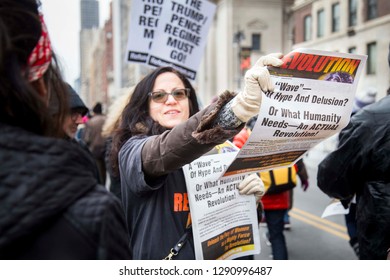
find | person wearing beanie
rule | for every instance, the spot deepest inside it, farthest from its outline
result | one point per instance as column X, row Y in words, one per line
column 73, row 119
column 95, row 141
column 77, row 110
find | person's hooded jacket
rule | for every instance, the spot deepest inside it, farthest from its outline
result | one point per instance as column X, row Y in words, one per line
column 51, row 204
column 75, row 101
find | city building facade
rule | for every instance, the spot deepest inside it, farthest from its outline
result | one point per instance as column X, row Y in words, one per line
column 89, row 33
column 348, row 26
column 244, row 30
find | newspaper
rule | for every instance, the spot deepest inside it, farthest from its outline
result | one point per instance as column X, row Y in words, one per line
column 312, row 100
column 335, row 207
column 224, row 223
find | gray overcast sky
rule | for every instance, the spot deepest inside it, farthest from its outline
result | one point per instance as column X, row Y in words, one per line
column 63, row 22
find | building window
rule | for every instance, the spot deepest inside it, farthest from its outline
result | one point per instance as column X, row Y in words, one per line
column 352, row 50
column 307, row 28
column 320, row 23
column 256, row 42
column 352, row 12
column 371, row 60
column 335, row 17
column 372, row 9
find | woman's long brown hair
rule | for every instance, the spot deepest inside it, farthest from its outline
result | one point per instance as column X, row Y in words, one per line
column 136, row 120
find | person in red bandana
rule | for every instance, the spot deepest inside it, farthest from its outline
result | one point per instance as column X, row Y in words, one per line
column 51, row 204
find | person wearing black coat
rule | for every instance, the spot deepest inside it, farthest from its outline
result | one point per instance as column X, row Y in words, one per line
column 51, row 206
column 361, row 165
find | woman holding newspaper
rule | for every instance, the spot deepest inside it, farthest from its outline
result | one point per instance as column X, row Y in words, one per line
column 162, row 130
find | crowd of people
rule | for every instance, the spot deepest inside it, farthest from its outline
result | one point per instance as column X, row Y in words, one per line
column 53, row 195
column 53, row 206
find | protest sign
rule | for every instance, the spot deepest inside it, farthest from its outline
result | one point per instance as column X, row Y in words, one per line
column 224, row 223
column 181, row 35
column 144, row 20
column 313, row 100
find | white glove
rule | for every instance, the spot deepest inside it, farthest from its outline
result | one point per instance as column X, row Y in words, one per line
column 257, row 80
column 252, row 184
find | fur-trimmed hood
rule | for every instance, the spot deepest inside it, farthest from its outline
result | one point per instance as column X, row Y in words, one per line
column 206, row 132
column 115, row 112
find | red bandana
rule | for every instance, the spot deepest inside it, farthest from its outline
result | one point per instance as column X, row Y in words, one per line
column 40, row 57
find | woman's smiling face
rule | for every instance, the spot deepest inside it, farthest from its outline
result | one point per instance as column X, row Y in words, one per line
column 171, row 112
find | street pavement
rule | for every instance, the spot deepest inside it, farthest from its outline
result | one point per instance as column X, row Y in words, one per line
column 312, row 237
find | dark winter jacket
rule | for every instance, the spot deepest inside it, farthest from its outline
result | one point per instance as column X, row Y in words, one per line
column 154, row 192
column 361, row 165
column 50, row 204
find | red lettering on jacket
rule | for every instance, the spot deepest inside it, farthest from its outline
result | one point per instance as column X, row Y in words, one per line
column 180, row 202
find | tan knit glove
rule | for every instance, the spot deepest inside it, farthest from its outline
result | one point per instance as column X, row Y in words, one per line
column 257, row 80
column 252, row 184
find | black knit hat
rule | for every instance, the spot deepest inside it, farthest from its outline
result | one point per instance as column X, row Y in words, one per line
column 75, row 101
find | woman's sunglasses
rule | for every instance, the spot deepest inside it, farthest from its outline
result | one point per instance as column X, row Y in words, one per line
column 162, row 96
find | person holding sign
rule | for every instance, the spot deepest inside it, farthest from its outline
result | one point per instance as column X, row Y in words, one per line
column 162, row 130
